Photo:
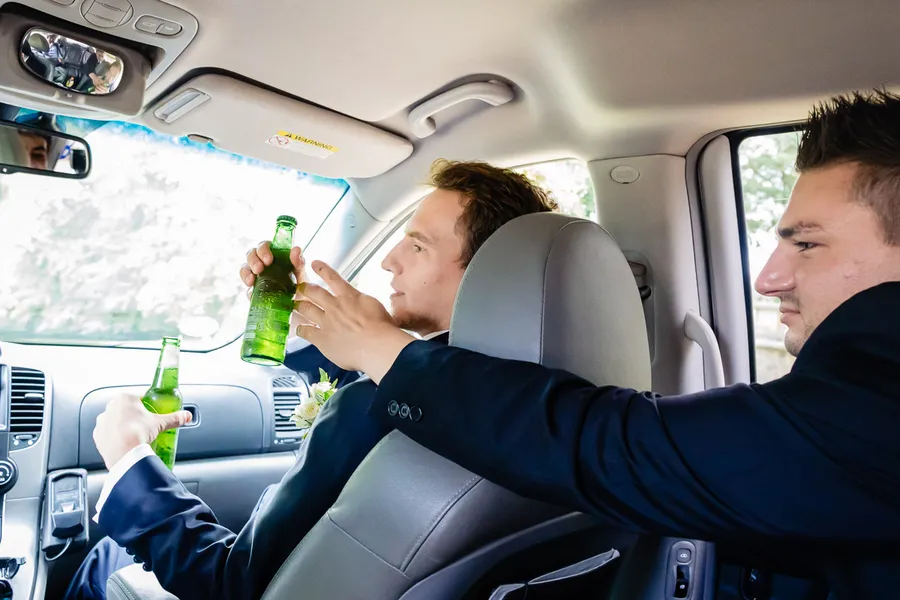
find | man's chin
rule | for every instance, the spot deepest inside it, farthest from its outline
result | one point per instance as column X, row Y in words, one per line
column 400, row 316
column 418, row 324
column 793, row 343
column 405, row 322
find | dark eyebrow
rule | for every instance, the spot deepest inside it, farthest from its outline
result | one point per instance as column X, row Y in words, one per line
column 798, row 228
column 420, row 236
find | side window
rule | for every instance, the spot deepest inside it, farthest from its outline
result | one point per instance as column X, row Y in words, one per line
column 569, row 182
column 767, row 178
column 371, row 279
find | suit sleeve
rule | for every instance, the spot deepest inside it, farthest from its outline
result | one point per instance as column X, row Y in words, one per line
column 732, row 463
column 174, row 533
column 308, row 360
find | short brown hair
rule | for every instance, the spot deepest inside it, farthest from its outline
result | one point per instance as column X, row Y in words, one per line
column 493, row 195
column 861, row 128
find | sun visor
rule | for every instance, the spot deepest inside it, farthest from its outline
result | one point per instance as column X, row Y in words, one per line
column 243, row 118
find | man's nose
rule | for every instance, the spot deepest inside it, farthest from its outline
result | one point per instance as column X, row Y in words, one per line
column 777, row 276
column 390, row 263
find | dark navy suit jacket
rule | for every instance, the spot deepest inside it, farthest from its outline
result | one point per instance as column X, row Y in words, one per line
column 810, row 461
column 310, row 359
column 174, row 533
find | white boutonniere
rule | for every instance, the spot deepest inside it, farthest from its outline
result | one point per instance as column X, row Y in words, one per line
column 306, row 412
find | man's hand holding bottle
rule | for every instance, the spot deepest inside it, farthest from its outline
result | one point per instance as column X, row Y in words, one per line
column 348, row 326
column 261, row 257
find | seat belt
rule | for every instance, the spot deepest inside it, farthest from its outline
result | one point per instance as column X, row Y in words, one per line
column 639, row 271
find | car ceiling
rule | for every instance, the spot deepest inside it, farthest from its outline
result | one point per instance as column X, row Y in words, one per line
column 593, row 79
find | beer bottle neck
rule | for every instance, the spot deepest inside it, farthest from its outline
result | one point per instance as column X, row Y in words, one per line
column 284, row 236
column 167, row 370
column 166, row 378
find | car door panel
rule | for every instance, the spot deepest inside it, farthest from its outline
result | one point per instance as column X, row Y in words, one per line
column 230, row 422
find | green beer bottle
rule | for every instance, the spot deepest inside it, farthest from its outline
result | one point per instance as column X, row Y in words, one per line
column 272, row 302
column 163, row 397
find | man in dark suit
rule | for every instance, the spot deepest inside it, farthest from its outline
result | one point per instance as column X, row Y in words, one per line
column 811, row 460
column 150, row 515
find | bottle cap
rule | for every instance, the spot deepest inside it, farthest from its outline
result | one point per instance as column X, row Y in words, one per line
column 287, row 219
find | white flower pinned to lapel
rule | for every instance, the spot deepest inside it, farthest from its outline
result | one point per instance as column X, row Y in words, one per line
column 306, row 412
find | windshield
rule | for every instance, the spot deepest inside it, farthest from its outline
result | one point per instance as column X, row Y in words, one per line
column 149, row 245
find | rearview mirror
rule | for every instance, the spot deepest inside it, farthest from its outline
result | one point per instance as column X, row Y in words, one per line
column 25, row 149
column 70, row 64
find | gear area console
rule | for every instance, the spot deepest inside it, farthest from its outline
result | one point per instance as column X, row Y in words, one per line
column 667, row 569
column 64, row 523
column 60, row 504
column 9, row 471
column 9, row 474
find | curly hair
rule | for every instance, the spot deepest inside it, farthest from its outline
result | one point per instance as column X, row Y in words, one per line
column 493, row 196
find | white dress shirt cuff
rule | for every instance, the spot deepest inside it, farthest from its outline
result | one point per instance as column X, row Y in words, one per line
column 431, row 336
column 117, row 471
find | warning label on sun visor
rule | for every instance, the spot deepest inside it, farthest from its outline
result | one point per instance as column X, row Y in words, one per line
column 301, row 144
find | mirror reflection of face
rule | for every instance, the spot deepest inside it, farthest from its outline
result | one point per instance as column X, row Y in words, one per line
column 70, row 64
column 103, row 83
column 37, row 149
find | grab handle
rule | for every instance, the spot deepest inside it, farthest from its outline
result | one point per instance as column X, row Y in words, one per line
column 698, row 331
column 494, row 93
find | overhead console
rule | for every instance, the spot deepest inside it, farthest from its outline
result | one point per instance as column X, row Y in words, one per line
column 247, row 119
column 139, row 39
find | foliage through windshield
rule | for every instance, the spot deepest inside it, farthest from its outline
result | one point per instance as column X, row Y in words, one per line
column 148, row 246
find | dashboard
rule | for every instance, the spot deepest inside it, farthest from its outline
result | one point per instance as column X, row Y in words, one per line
column 240, row 441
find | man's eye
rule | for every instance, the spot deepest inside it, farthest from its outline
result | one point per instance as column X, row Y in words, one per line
column 804, row 246
column 417, row 248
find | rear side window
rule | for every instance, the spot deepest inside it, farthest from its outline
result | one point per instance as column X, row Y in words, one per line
column 768, row 176
column 569, row 182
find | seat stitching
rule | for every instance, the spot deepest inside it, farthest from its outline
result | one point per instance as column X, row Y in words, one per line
column 326, row 519
column 366, row 548
column 122, row 587
column 436, row 518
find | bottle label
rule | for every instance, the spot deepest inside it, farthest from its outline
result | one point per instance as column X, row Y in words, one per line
column 270, row 322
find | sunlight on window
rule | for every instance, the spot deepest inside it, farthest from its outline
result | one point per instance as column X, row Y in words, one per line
column 149, row 245
column 767, row 177
column 371, row 278
column 569, row 182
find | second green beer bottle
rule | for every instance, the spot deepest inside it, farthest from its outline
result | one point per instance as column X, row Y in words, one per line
column 164, row 397
column 269, row 319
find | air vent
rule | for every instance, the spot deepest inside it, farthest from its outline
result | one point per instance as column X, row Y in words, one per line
column 287, row 394
column 288, row 381
column 27, row 407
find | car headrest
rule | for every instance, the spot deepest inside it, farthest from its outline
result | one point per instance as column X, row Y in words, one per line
column 555, row 290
